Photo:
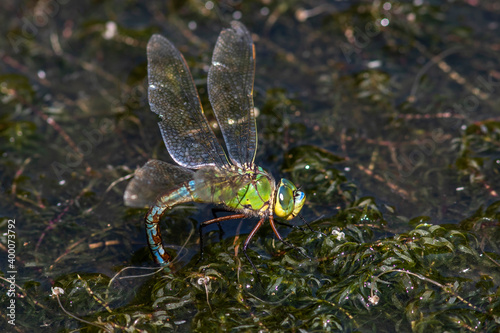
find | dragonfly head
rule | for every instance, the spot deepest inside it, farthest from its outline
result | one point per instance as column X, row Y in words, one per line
column 289, row 200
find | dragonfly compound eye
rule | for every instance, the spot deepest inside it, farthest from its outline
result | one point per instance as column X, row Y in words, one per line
column 289, row 200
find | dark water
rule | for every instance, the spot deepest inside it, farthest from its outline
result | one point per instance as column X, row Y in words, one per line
column 385, row 113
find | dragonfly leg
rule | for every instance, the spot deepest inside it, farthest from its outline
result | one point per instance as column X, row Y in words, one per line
column 299, row 227
column 216, row 220
column 305, row 222
column 154, row 235
column 271, row 221
column 214, row 213
column 290, row 225
column 247, row 241
column 309, row 226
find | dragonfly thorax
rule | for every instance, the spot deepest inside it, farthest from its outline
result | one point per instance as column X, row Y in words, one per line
column 289, row 200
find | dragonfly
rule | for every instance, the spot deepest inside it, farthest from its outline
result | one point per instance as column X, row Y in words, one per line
column 204, row 172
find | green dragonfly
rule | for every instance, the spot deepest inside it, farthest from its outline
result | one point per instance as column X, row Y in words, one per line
column 204, row 173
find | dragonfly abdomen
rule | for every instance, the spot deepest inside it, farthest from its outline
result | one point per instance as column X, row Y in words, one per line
column 162, row 204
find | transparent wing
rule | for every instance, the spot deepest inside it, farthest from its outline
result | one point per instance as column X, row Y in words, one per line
column 220, row 185
column 154, row 178
column 230, row 89
column 173, row 96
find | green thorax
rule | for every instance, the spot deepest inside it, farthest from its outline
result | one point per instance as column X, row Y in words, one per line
column 248, row 190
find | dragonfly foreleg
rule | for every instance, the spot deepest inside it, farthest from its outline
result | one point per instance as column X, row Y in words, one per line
column 290, row 225
column 299, row 227
column 309, row 226
column 271, row 221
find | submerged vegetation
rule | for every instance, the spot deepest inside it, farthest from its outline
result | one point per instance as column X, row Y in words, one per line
column 362, row 277
column 385, row 114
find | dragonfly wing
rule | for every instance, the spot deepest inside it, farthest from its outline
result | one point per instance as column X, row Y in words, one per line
column 230, row 89
column 219, row 185
column 173, row 96
column 154, row 178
